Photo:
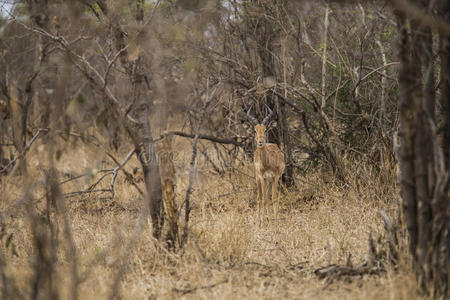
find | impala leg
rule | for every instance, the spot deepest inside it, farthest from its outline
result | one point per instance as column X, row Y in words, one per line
column 259, row 197
column 264, row 198
column 268, row 199
column 275, row 199
column 279, row 191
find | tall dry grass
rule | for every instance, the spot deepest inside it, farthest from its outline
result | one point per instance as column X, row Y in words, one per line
column 229, row 255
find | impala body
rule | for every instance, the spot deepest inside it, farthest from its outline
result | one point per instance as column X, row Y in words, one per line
column 269, row 166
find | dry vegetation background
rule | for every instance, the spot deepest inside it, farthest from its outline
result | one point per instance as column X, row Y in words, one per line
column 89, row 89
column 228, row 255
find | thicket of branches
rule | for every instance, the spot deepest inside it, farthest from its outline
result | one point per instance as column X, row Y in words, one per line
column 342, row 78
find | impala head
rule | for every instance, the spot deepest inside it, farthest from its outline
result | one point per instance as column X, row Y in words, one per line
column 260, row 128
column 260, row 135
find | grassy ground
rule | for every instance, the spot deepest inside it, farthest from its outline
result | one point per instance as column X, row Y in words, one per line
column 228, row 256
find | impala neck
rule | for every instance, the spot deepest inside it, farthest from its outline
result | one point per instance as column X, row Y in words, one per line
column 261, row 153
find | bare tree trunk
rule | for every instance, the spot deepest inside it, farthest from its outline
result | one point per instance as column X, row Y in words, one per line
column 140, row 133
column 324, row 56
column 424, row 175
column 266, row 35
column 444, row 49
column 288, row 176
column 22, row 97
column 150, row 165
column 384, row 89
column 164, row 154
column 406, row 165
column 146, row 151
column 441, row 200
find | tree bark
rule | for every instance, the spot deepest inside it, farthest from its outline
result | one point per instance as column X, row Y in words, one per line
column 164, row 154
column 266, row 34
column 406, row 165
column 141, row 133
column 424, row 170
column 444, row 53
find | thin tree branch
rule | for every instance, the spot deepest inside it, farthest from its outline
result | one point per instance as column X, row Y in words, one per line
column 237, row 141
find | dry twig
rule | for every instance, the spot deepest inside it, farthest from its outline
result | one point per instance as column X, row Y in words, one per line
column 191, row 290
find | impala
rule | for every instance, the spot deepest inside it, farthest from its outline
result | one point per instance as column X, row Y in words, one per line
column 269, row 166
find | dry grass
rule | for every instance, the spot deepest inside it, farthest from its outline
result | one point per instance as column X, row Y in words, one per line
column 228, row 255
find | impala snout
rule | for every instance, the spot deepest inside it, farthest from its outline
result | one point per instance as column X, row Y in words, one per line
column 260, row 138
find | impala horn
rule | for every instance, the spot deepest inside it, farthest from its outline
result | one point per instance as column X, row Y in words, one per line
column 266, row 119
column 251, row 118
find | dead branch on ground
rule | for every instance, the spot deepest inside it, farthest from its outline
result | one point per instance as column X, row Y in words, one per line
column 374, row 264
column 191, row 290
